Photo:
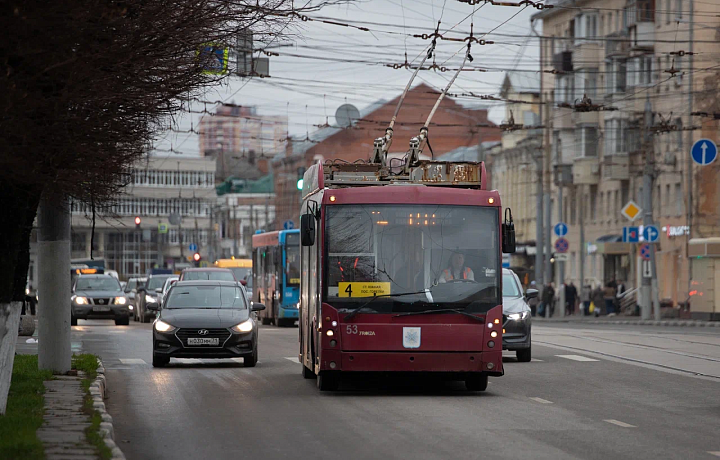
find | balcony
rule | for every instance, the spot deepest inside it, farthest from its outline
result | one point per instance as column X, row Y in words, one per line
column 616, row 167
column 587, row 55
column 642, row 36
column 586, row 171
column 563, row 118
column 617, row 44
column 586, row 118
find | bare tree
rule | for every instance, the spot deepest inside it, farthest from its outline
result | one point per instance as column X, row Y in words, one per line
column 86, row 86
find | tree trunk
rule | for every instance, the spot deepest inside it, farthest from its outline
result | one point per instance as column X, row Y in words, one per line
column 9, row 321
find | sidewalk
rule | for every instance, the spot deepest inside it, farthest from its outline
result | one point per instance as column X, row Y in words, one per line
column 628, row 320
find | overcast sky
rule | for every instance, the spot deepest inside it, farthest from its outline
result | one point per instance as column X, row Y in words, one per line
column 309, row 89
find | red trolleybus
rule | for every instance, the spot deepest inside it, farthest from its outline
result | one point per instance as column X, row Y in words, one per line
column 401, row 271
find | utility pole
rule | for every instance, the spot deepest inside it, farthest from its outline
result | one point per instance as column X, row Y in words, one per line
column 689, row 161
column 54, row 279
column 648, row 297
column 546, row 196
column 561, row 264
column 581, row 217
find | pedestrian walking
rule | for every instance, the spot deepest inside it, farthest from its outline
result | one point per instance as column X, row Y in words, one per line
column 570, row 298
column 609, row 297
column 598, row 300
column 548, row 296
column 585, row 298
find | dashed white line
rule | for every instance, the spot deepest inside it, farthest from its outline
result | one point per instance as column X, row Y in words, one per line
column 536, row 360
column 541, row 401
column 132, row 361
column 293, row 359
column 619, row 423
column 577, row 358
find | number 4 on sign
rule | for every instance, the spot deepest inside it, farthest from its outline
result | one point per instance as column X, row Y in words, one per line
column 348, row 289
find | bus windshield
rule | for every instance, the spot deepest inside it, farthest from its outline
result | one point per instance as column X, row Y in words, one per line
column 416, row 257
column 292, row 259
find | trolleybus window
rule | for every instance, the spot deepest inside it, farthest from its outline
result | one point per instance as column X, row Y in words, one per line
column 448, row 255
column 292, row 259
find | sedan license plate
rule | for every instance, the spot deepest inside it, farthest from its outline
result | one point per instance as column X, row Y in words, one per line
column 203, row 341
column 101, row 308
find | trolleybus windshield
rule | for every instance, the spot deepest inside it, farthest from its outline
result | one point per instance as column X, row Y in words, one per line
column 450, row 254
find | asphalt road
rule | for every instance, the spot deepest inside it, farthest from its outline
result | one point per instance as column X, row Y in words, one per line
column 591, row 392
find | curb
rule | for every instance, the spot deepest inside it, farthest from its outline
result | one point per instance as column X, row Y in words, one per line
column 664, row 323
column 98, row 391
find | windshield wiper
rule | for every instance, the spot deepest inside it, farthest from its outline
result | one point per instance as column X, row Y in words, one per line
column 355, row 311
column 443, row 310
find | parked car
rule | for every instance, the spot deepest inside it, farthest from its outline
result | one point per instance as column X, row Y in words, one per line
column 98, row 297
column 166, row 287
column 516, row 316
column 212, row 274
column 205, row 319
column 131, row 289
column 148, row 293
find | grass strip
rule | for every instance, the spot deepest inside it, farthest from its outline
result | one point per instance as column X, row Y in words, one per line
column 24, row 412
column 88, row 364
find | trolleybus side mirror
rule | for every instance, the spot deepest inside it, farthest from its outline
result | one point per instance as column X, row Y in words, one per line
column 307, row 229
column 508, row 233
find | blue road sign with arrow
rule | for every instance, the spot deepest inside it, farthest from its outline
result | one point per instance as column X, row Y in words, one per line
column 288, row 225
column 704, row 152
column 561, row 229
column 192, row 247
column 651, row 234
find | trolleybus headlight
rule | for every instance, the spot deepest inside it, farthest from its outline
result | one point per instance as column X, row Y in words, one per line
column 497, row 321
column 334, row 323
column 491, row 344
column 245, row 326
column 329, row 333
column 162, row 326
column 493, row 334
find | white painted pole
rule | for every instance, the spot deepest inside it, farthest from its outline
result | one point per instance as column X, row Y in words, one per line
column 54, row 285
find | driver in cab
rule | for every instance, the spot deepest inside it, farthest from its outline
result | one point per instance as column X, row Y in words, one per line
column 457, row 270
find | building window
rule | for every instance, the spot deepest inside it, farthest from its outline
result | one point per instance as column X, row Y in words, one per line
column 666, row 202
column 668, row 11
column 678, row 200
column 586, row 138
column 678, row 10
column 586, row 83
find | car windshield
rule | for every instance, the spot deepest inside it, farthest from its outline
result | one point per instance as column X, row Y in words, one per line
column 105, row 283
column 212, row 275
column 292, row 259
column 452, row 252
column 243, row 273
column 156, row 282
column 230, row 297
column 509, row 286
column 132, row 284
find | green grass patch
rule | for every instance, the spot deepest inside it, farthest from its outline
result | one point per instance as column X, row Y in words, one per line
column 88, row 364
column 24, row 412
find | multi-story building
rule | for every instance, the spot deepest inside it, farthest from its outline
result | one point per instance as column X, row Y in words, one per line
column 173, row 197
column 237, row 135
column 630, row 58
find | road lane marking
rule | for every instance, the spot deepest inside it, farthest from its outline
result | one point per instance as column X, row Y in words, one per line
column 293, row 359
column 619, row 423
column 715, row 453
column 541, row 401
column 577, row 358
column 132, row 361
column 536, row 360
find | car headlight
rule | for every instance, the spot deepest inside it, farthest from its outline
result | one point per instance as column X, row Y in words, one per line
column 149, row 299
column 162, row 326
column 81, row 300
column 120, row 300
column 518, row 316
column 245, row 326
column 27, row 291
column 131, row 307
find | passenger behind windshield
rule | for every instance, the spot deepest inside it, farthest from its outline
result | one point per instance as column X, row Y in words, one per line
column 205, row 297
column 97, row 284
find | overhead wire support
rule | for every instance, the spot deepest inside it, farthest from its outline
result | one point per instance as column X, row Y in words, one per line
column 536, row 5
column 418, row 143
column 381, row 145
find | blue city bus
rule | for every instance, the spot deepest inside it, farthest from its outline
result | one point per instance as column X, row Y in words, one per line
column 276, row 275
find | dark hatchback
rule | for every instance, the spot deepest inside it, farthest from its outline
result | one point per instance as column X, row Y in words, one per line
column 205, row 319
column 517, row 320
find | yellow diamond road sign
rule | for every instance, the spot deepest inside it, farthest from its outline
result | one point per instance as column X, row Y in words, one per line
column 631, row 210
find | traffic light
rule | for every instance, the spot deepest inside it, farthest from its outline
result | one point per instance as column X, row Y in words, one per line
column 300, row 173
column 137, row 221
column 197, row 257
